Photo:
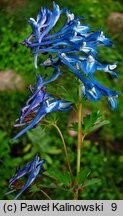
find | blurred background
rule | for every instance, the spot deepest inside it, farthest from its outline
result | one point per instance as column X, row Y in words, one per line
column 103, row 150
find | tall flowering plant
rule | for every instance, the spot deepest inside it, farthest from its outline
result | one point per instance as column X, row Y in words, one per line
column 75, row 46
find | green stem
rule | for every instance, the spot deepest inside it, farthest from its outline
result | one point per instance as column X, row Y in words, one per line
column 64, row 144
column 79, row 138
column 79, row 141
column 45, row 194
column 65, row 149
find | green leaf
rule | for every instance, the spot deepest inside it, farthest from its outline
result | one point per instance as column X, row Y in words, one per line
column 54, row 186
column 62, row 178
column 89, row 182
column 41, row 142
column 96, row 126
column 73, row 126
column 66, row 92
column 93, row 122
column 82, row 176
column 34, row 188
column 83, row 180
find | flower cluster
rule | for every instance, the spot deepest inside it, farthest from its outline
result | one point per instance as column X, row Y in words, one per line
column 75, row 46
column 33, row 168
column 39, row 104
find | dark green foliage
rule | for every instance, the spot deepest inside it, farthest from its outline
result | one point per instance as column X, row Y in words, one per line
column 91, row 122
column 62, row 178
column 43, row 143
column 6, row 163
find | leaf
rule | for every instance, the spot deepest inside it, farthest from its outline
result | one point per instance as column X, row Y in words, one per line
column 62, row 178
column 54, row 150
column 90, row 182
column 83, row 175
column 34, row 188
column 66, row 93
column 53, row 186
column 73, row 126
column 83, row 180
column 93, row 122
column 97, row 126
column 42, row 143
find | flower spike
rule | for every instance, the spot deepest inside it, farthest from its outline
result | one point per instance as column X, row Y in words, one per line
column 73, row 45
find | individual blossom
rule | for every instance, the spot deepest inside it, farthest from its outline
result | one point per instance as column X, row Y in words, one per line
column 45, row 21
column 32, row 169
column 39, row 104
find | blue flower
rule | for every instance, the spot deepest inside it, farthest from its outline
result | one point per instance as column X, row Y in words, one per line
column 54, row 16
column 98, row 38
column 112, row 102
column 39, row 104
column 45, row 21
column 88, row 65
column 19, row 173
column 91, row 92
column 48, row 105
column 108, row 69
column 39, row 94
column 33, row 168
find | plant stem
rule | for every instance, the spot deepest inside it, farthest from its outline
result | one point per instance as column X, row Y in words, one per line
column 79, row 138
column 64, row 144
column 65, row 148
column 45, row 194
column 79, row 141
